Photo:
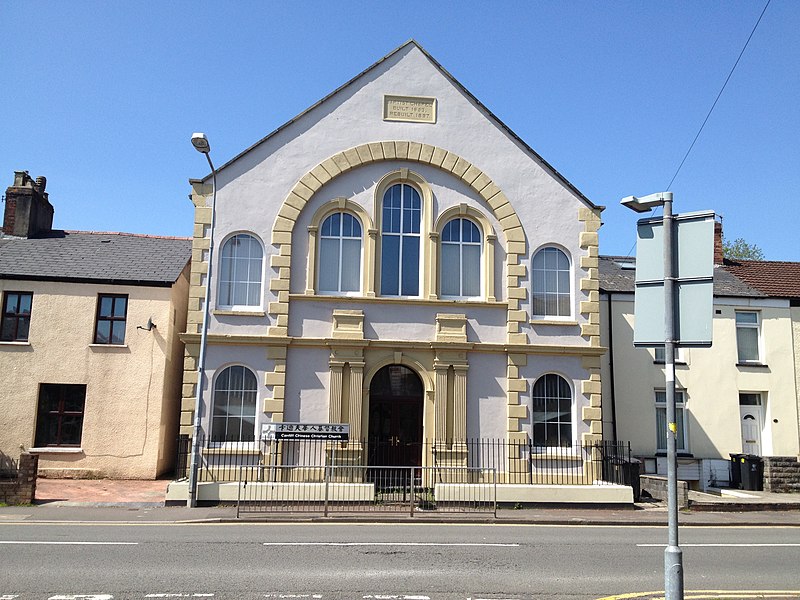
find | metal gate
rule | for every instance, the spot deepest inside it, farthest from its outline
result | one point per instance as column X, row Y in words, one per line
column 337, row 490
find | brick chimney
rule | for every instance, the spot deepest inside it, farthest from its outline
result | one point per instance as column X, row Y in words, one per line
column 719, row 253
column 28, row 211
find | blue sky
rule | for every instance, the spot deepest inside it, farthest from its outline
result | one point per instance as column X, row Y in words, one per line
column 102, row 97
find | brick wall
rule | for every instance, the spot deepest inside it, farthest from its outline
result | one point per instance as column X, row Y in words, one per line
column 21, row 490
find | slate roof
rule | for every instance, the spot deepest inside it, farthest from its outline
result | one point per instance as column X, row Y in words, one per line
column 615, row 277
column 121, row 258
column 775, row 278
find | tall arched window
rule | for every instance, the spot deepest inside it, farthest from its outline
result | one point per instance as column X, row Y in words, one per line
column 234, row 415
column 551, row 414
column 551, row 283
column 240, row 272
column 400, row 241
column 340, row 254
column 461, row 259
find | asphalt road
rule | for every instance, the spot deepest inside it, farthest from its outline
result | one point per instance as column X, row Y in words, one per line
column 380, row 562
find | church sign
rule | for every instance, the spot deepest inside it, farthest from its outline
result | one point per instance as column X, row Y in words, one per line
column 413, row 109
column 306, row 431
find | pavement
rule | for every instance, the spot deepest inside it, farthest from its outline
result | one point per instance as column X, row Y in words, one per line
column 107, row 500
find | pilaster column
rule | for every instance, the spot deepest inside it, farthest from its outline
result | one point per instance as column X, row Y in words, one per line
column 433, row 265
column 311, row 264
column 460, row 403
column 356, row 399
column 335, row 404
column 370, row 262
column 440, row 402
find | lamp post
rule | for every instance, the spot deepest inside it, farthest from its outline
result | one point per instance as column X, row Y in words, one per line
column 200, row 142
column 673, row 555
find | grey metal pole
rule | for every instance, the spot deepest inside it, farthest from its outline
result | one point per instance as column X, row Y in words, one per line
column 191, row 501
column 673, row 556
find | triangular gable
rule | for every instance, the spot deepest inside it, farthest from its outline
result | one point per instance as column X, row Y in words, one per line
column 481, row 107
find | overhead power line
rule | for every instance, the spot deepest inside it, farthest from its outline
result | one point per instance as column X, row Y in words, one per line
column 671, row 181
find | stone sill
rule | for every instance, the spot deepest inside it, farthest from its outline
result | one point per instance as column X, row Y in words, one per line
column 238, row 313
column 15, row 343
column 398, row 300
column 56, row 450
column 754, row 365
column 108, row 346
column 556, row 323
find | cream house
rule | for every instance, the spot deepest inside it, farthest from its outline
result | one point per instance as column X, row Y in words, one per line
column 90, row 356
column 738, row 396
column 396, row 259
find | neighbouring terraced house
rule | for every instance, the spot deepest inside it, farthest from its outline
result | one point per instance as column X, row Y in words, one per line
column 90, row 354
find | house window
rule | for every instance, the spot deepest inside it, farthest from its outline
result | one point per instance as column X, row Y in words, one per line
column 661, row 421
column 111, row 318
column 748, row 329
column 234, row 415
column 551, row 283
column 340, row 254
column 677, row 354
column 552, row 411
column 16, row 319
column 59, row 420
column 241, row 269
column 461, row 259
column 400, row 241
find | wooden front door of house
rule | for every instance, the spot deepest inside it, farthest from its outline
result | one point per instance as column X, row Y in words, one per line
column 395, row 418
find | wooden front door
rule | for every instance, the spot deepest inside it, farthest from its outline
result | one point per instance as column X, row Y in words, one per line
column 395, row 418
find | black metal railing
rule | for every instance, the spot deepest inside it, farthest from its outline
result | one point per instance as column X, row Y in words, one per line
column 513, row 462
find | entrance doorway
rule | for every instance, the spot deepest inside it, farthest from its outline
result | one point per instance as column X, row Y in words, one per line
column 396, row 404
column 750, row 413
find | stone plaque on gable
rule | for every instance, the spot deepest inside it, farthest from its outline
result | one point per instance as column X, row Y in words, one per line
column 413, row 109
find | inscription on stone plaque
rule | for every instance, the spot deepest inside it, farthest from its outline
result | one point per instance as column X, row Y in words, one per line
column 414, row 109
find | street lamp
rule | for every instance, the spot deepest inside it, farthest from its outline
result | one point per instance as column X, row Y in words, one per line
column 200, row 142
column 673, row 556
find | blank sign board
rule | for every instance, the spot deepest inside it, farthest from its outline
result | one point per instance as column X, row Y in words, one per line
column 693, row 253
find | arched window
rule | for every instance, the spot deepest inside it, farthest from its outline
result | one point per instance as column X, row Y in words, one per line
column 400, row 241
column 461, row 259
column 240, row 272
column 551, row 283
column 551, row 414
column 340, row 254
column 234, row 416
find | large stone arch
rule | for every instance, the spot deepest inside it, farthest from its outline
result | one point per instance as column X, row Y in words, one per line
column 311, row 182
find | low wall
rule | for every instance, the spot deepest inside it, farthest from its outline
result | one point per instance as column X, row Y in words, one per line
column 21, row 490
column 656, row 486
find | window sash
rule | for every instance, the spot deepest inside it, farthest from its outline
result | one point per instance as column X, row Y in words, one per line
column 111, row 319
column 748, row 337
column 400, row 241
column 661, row 421
column 235, row 398
column 16, row 317
column 241, row 272
column 461, row 259
column 551, row 411
column 340, row 254
column 60, row 415
column 551, row 283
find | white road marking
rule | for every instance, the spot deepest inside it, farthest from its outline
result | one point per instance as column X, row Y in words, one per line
column 777, row 545
column 83, row 597
column 315, row 596
column 483, row 545
column 8, row 596
column 179, row 595
column 395, row 597
column 71, row 544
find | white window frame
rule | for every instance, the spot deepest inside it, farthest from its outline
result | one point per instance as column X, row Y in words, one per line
column 660, row 355
column 212, row 400
column 240, row 307
column 340, row 238
column 747, row 326
column 545, row 317
column 461, row 243
column 572, row 420
column 680, row 416
column 402, row 237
